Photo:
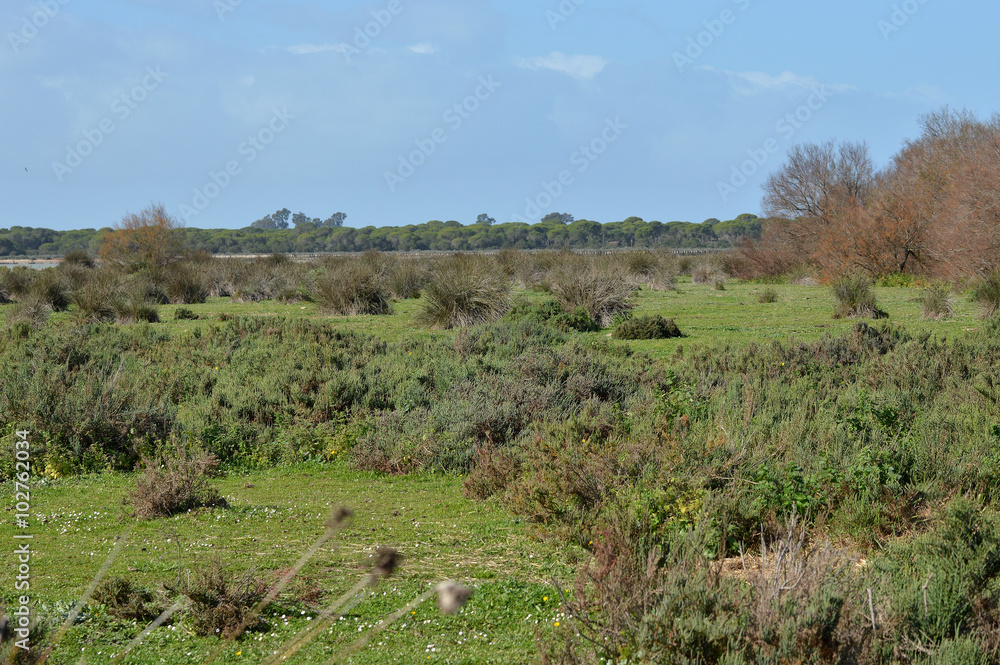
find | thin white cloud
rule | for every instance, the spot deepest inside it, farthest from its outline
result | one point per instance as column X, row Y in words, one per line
column 577, row 66
column 308, row 49
column 750, row 83
column 424, row 49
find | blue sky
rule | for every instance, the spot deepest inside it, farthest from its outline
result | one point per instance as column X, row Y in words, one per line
column 402, row 111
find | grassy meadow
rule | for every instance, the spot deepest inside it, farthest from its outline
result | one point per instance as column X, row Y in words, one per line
column 776, row 485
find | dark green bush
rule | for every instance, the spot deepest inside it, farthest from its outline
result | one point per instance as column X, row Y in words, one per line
column 533, row 312
column 124, row 599
column 578, row 320
column 551, row 312
column 651, row 326
column 185, row 314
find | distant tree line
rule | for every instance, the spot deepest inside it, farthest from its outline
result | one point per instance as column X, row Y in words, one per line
column 272, row 233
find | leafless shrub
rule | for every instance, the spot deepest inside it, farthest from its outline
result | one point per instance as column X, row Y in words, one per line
column 220, row 600
column 175, row 483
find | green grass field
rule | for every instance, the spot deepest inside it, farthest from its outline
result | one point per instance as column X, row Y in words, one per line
column 274, row 517
column 276, row 514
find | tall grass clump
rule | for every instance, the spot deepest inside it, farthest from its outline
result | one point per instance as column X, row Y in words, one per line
column 656, row 270
column 29, row 312
column 856, row 299
column 936, row 302
column 987, row 294
column 96, row 297
column 131, row 306
column 5, row 295
column 256, row 280
column 110, row 296
column 78, row 257
column 513, row 263
column 604, row 294
column 465, row 290
column 76, row 268
column 707, row 272
column 48, row 286
column 768, row 295
column 405, row 278
column 16, row 282
column 185, row 284
column 351, row 289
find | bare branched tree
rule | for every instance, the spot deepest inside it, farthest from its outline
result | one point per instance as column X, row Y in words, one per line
column 819, row 180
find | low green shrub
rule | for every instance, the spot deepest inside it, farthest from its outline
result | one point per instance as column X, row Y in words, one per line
column 533, row 312
column 124, row 599
column 551, row 313
column 578, row 320
column 939, row 582
column 651, row 326
column 185, row 314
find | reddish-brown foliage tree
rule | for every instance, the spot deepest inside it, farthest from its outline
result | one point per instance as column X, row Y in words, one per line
column 934, row 210
column 150, row 239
